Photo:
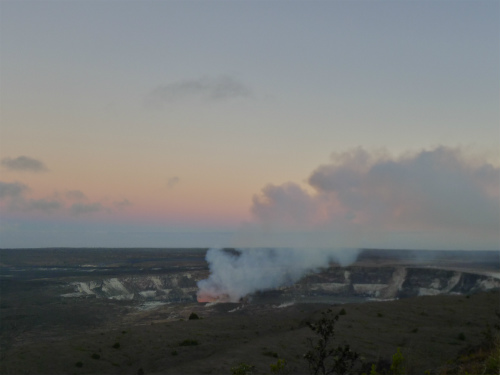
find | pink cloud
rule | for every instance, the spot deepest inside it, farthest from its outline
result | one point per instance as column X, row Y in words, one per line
column 434, row 191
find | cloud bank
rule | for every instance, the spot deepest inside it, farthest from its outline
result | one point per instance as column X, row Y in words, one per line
column 213, row 89
column 77, row 209
column 14, row 197
column 24, row 164
column 122, row 204
column 12, row 190
column 42, row 205
column 75, row 195
column 363, row 199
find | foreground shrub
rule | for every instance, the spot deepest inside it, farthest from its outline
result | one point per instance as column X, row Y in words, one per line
column 395, row 368
column 481, row 359
column 242, row 369
column 492, row 363
column 322, row 357
column 280, row 367
column 193, row 316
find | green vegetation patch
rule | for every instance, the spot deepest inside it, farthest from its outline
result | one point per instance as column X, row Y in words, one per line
column 242, row 369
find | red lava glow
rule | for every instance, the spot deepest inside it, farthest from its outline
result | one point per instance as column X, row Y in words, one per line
column 202, row 298
column 206, row 298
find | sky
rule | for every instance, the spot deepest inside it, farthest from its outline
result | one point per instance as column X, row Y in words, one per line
column 250, row 123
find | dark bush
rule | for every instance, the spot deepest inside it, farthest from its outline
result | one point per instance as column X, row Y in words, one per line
column 116, row 345
column 193, row 316
column 95, row 356
column 342, row 312
column 188, row 342
column 79, row 364
column 270, row 354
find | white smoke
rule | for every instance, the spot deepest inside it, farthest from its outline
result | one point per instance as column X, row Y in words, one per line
column 236, row 274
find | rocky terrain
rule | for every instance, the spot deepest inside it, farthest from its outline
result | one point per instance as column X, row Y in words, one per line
column 120, row 311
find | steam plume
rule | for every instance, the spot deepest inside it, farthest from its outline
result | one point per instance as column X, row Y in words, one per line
column 236, row 274
column 438, row 198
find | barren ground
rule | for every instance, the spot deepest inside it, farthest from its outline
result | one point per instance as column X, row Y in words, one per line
column 44, row 333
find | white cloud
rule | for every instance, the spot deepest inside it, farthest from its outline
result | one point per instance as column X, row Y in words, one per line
column 440, row 194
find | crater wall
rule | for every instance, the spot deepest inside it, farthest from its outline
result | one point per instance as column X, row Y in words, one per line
column 389, row 282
